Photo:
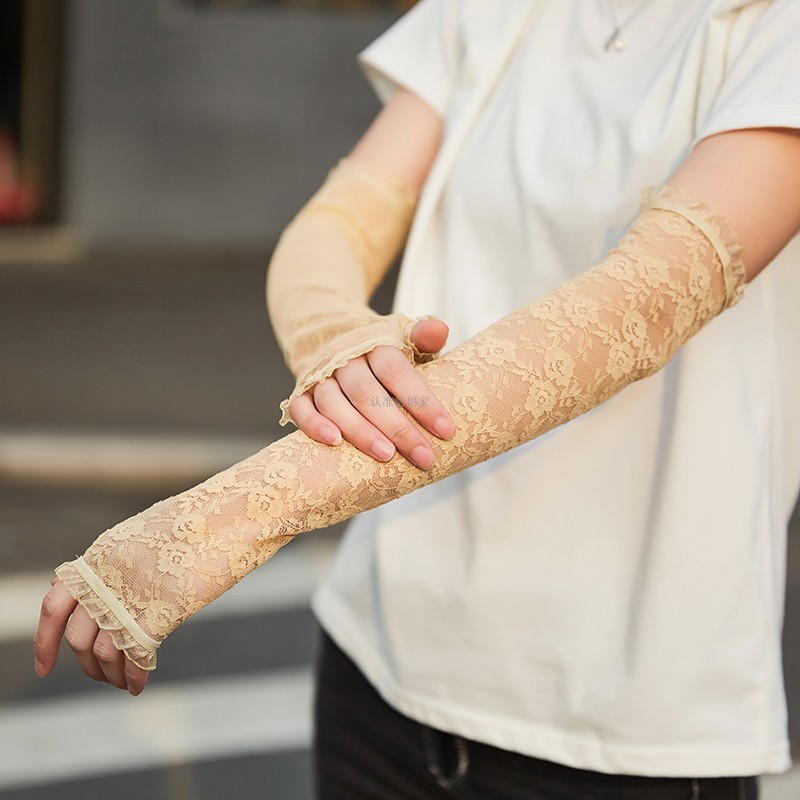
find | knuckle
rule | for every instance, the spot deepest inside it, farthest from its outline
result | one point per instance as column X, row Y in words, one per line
column 74, row 639
column 134, row 673
column 49, row 605
column 304, row 424
column 325, row 390
column 296, row 407
column 326, row 402
column 391, row 367
column 404, row 435
column 426, row 411
column 361, row 392
column 104, row 650
column 362, row 434
column 135, row 681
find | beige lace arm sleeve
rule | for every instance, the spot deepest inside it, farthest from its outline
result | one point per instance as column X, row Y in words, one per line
column 537, row 368
column 326, row 266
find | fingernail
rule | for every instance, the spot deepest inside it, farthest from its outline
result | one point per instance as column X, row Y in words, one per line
column 330, row 435
column 39, row 667
column 382, row 450
column 133, row 692
column 421, row 456
column 443, row 427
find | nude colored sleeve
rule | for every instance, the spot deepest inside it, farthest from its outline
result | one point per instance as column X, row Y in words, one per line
column 542, row 365
column 326, row 266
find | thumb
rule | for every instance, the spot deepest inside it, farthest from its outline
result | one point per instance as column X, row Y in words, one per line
column 429, row 335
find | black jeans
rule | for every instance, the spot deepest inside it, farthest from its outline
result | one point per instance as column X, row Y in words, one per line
column 365, row 750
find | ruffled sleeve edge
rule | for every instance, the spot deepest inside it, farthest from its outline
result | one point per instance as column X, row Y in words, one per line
column 109, row 613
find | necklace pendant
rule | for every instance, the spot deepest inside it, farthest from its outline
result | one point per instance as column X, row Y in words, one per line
column 615, row 41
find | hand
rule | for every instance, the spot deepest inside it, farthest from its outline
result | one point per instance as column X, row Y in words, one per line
column 359, row 403
column 93, row 649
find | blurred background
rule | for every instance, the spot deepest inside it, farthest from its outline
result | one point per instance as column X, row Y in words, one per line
column 151, row 151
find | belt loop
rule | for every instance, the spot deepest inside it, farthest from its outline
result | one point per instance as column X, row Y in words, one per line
column 435, row 756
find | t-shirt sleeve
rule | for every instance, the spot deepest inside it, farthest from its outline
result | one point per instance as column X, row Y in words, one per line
column 420, row 52
column 762, row 87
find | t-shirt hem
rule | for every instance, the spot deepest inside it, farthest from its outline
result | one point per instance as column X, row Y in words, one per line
column 540, row 741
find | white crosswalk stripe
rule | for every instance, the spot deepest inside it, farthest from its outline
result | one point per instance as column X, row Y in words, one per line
column 45, row 742
column 108, row 459
column 95, row 734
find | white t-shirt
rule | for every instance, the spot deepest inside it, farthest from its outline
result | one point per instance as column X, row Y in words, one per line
column 610, row 595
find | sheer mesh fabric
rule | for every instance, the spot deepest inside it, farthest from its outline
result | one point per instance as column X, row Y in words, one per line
column 538, row 367
column 326, row 266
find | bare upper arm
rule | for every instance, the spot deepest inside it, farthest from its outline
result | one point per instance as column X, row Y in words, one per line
column 402, row 141
column 751, row 177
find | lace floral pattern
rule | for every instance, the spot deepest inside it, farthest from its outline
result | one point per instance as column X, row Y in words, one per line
column 535, row 369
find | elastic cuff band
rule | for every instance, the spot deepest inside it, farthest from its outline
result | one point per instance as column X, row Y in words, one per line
column 714, row 227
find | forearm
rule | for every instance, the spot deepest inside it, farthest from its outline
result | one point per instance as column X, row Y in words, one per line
column 325, row 268
column 537, row 368
column 341, row 244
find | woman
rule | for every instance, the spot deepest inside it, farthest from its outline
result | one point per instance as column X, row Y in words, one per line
column 595, row 613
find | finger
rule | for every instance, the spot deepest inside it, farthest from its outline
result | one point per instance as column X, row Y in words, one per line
column 355, row 428
column 375, row 403
column 136, row 677
column 396, row 373
column 429, row 335
column 111, row 660
column 56, row 608
column 81, row 634
column 312, row 423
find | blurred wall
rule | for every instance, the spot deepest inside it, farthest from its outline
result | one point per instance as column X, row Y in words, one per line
column 193, row 127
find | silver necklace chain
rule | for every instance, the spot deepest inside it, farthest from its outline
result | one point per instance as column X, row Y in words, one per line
column 615, row 41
